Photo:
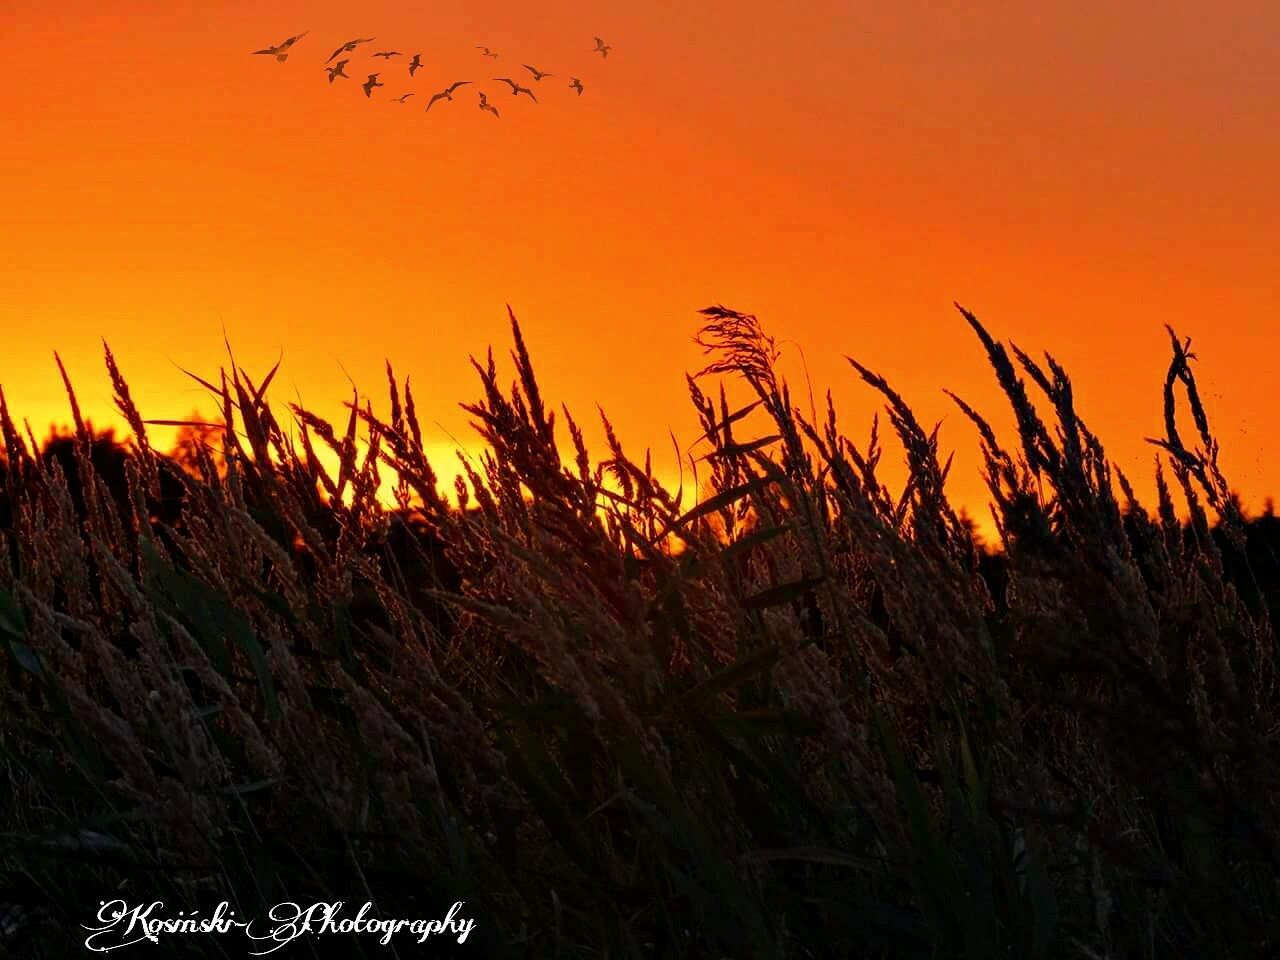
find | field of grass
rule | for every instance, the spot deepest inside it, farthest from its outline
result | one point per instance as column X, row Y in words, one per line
column 805, row 716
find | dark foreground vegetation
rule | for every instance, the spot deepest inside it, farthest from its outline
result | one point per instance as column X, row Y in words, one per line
column 805, row 717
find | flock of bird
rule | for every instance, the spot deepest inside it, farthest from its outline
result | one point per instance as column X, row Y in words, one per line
column 281, row 53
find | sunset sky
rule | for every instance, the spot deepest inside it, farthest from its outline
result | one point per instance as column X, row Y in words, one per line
column 1078, row 174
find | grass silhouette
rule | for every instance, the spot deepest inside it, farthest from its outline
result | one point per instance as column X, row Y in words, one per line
column 804, row 716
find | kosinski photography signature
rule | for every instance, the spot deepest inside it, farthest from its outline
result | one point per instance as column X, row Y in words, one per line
column 120, row 925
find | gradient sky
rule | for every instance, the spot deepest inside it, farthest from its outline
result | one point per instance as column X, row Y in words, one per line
column 1078, row 174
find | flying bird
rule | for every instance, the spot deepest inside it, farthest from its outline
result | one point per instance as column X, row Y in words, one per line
column 537, row 74
column 335, row 72
column 516, row 89
column 388, row 54
column 349, row 47
column 488, row 52
column 370, row 84
column 602, row 48
column 281, row 50
column 415, row 63
column 486, row 105
column 576, row 85
column 447, row 93
column 402, row 99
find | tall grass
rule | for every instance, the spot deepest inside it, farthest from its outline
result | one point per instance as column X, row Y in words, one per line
column 803, row 715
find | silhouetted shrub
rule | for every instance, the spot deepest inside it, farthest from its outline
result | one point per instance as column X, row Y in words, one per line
column 802, row 716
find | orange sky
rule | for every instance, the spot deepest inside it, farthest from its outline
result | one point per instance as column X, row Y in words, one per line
column 1077, row 174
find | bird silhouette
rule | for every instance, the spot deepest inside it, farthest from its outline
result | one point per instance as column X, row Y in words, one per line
column 336, row 71
column 350, row 46
column 602, row 48
column 387, row 54
column 537, row 74
column 486, row 105
column 281, row 50
column 415, row 63
column 403, row 98
column 516, row 89
column 447, row 93
column 488, row 52
column 370, row 84
column 576, row 85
